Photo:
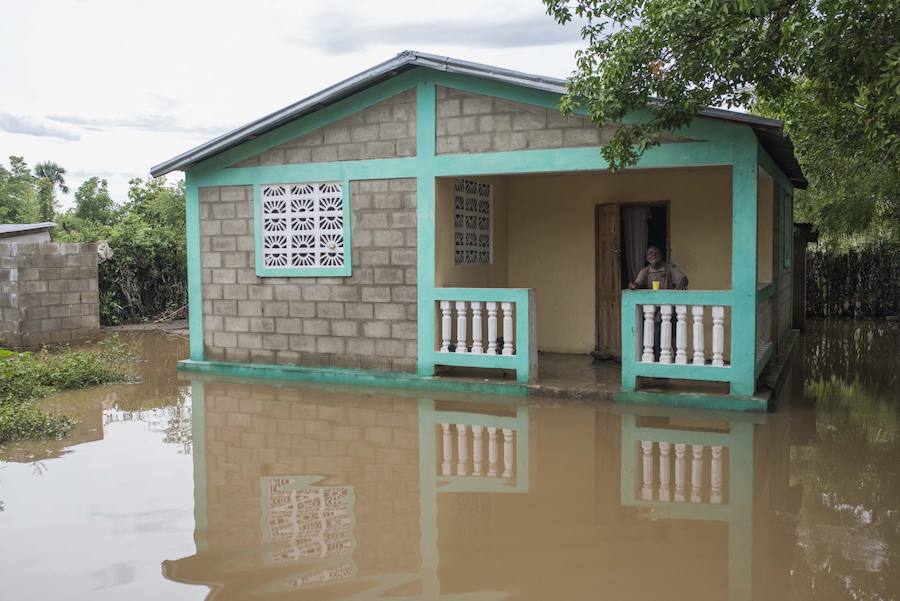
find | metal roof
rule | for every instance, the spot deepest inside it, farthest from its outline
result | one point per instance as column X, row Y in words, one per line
column 18, row 228
column 769, row 131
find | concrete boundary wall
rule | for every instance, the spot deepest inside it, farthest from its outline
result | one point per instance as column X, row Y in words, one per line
column 48, row 294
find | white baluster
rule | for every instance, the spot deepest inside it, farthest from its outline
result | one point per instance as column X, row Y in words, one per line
column 681, row 334
column 679, row 472
column 492, row 451
column 665, row 334
column 462, row 449
column 698, row 339
column 649, row 340
column 462, row 318
column 507, row 329
column 477, row 453
column 664, row 478
column 447, row 450
column 477, row 348
column 647, row 470
column 492, row 328
column 696, row 472
column 715, row 478
column 446, row 324
column 507, row 452
column 718, row 332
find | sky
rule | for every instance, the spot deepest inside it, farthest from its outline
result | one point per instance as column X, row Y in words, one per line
column 111, row 88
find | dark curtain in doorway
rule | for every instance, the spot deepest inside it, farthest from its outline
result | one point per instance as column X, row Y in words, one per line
column 635, row 240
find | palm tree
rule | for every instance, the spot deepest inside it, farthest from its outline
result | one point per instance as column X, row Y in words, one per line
column 49, row 176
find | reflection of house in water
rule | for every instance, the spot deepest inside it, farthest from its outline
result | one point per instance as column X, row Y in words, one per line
column 172, row 421
column 409, row 499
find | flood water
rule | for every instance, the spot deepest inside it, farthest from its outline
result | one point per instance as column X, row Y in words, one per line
column 227, row 489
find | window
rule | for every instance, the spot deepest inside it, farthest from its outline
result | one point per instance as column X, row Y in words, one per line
column 303, row 229
column 473, row 234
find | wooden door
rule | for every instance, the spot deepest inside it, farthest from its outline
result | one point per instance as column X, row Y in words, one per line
column 609, row 285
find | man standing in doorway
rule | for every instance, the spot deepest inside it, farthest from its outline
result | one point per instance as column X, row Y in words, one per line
column 667, row 274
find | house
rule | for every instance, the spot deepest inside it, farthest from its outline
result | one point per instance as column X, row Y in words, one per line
column 431, row 215
column 25, row 232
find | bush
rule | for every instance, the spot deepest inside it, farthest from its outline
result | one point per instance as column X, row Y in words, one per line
column 26, row 377
column 856, row 281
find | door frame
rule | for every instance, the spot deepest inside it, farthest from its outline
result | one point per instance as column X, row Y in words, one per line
column 666, row 204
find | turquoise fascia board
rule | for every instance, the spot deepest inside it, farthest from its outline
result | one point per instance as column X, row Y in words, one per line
column 309, row 123
column 335, row 170
column 307, row 272
column 194, row 267
column 357, row 377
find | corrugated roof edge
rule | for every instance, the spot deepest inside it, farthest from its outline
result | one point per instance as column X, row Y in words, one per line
column 411, row 58
column 12, row 228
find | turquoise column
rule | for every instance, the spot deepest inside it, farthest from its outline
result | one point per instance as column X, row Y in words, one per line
column 425, row 231
column 743, row 263
column 195, row 286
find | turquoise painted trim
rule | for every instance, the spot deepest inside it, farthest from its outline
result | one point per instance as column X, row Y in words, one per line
column 334, row 170
column 688, row 400
column 198, row 451
column 194, row 267
column 344, row 270
column 425, row 230
column 311, row 122
column 520, row 362
column 358, row 377
column 632, row 367
column 744, row 177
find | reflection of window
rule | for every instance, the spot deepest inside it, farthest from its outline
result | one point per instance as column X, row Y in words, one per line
column 472, row 210
column 303, row 229
column 307, row 522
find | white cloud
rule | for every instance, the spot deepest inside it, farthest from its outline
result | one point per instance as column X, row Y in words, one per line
column 105, row 86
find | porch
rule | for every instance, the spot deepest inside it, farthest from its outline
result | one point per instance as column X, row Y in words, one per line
column 531, row 277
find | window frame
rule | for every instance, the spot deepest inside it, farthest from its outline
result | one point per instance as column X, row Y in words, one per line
column 262, row 270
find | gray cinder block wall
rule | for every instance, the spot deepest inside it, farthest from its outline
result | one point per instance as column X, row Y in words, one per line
column 48, row 294
column 367, row 320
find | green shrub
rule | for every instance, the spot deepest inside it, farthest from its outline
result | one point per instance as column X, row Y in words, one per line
column 26, row 377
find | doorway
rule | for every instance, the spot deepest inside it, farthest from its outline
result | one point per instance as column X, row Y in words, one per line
column 623, row 234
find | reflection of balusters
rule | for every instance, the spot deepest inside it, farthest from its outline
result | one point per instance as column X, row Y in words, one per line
column 696, row 472
column 476, row 449
column 647, row 469
column 507, row 452
column 664, row 479
column 681, row 334
column 461, row 318
column 715, row 477
column 492, row 451
column 492, row 328
column 462, row 449
column 718, row 333
column 508, row 348
column 698, row 335
column 447, row 450
column 648, row 356
column 665, row 334
column 446, row 323
column 679, row 472
column 477, row 347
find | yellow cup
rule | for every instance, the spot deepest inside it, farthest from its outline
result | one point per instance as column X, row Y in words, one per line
column 656, row 284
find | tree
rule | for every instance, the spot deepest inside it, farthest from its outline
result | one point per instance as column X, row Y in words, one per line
column 18, row 197
column 93, row 202
column 50, row 175
column 829, row 68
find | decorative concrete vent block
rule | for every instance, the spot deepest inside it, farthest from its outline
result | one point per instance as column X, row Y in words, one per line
column 48, row 294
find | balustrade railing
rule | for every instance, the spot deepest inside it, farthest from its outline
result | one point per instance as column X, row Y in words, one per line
column 678, row 473
column 658, row 347
column 487, row 327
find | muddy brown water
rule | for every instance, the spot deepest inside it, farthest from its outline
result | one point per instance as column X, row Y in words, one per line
column 228, row 489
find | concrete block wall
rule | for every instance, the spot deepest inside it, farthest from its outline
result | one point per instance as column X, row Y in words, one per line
column 367, row 320
column 48, row 294
column 367, row 442
column 468, row 123
column 384, row 130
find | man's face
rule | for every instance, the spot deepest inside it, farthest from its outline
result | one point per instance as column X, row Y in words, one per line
column 654, row 256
